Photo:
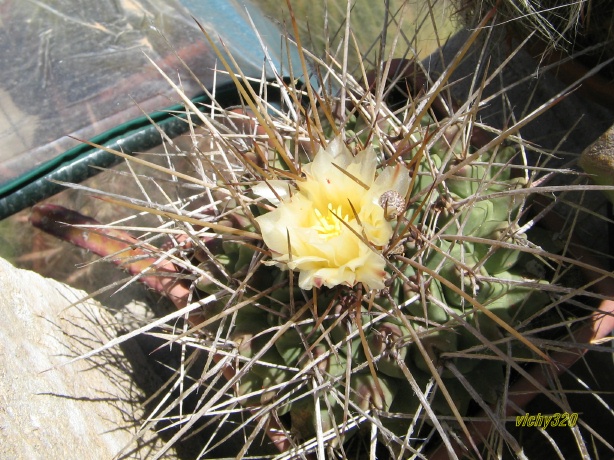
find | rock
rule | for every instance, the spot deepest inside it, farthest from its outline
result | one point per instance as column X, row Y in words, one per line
column 89, row 408
column 598, row 160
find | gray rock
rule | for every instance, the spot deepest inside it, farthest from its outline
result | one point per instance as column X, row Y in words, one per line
column 49, row 409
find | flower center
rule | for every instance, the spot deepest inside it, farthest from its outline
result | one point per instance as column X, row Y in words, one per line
column 330, row 225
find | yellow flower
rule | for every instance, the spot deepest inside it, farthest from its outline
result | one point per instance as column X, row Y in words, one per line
column 319, row 229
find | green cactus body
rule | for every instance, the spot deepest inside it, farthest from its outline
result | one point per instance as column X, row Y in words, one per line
column 435, row 342
column 328, row 339
column 387, row 339
column 249, row 389
column 498, row 259
column 430, row 310
column 511, row 300
column 487, row 380
column 467, row 181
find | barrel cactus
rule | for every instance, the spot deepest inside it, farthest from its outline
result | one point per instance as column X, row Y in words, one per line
column 367, row 274
column 355, row 269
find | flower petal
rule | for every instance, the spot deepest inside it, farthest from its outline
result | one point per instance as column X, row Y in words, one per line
column 273, row 190
column 393, row 178
column 332, row 227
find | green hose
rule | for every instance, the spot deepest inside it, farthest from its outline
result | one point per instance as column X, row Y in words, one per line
column 83, row 161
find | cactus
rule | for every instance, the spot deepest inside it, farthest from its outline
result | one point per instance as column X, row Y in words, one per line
column 433, row 285
column 350, row 345
column 337, row 351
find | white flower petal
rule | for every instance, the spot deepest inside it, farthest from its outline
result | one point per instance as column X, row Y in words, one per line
column 273, row 190
column 393, row 178
column 314, row 229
